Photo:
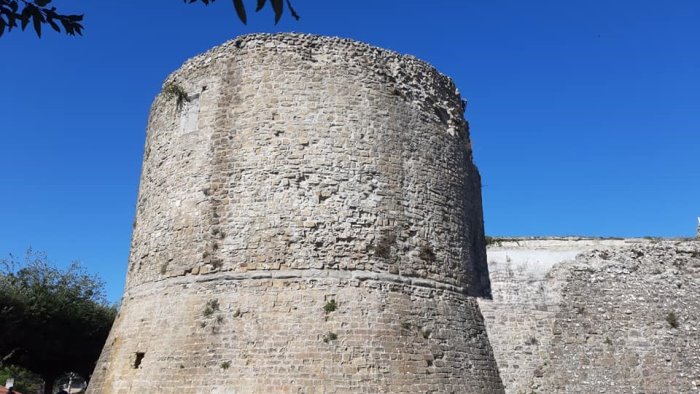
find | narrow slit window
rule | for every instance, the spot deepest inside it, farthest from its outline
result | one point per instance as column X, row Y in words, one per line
column 138, row 358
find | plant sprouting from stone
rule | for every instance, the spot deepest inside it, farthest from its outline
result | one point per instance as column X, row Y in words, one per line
column 382, row 247
column 426, row 253
column 211, row 307
column 173, row 90
column 491, row 241
column 225, row 365
column 330, row 306
column 672, row 320
column 331, row 336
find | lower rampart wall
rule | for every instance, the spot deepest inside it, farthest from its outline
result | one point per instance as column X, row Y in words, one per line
column 590, row 315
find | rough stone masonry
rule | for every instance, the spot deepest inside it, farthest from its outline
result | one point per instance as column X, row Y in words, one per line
column 309, row 221
column 587, row 315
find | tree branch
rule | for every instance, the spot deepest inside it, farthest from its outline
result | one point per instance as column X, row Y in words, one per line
column 37, row 12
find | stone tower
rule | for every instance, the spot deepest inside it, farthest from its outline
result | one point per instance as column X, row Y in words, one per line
column 309, row 221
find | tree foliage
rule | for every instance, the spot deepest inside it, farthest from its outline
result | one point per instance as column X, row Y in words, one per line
column 14, row 13
column 19, row 13
column 25, row 381
column 277, row 7
column 52, row 320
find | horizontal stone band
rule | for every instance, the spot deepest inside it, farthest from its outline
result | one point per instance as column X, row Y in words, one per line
column 303, row 274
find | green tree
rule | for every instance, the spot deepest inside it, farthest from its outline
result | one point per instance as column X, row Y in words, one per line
column 53, row 320
column 20, row 13
column 25, row 381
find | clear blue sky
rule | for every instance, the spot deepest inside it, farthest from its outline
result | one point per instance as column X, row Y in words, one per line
column 585, row 115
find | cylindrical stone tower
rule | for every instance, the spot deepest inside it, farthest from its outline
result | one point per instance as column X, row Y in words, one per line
column 309, row 221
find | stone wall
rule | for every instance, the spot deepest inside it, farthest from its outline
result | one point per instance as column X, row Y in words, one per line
column 595, row 316
column 308, row 221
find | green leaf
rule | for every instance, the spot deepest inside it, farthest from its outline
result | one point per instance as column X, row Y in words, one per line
column 67, row 27
column 240, row 10
column 11, row 21
column 53, row 25
column 37, row 19
column 25, row 15
column 292, row 10
column 278, row 6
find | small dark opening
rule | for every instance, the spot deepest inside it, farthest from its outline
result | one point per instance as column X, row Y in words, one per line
column 138, row 359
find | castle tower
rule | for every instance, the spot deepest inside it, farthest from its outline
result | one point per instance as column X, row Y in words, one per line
column 308, row 221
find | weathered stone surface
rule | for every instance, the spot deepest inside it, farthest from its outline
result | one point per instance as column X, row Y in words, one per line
column 309, row 221
column 595, row 316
